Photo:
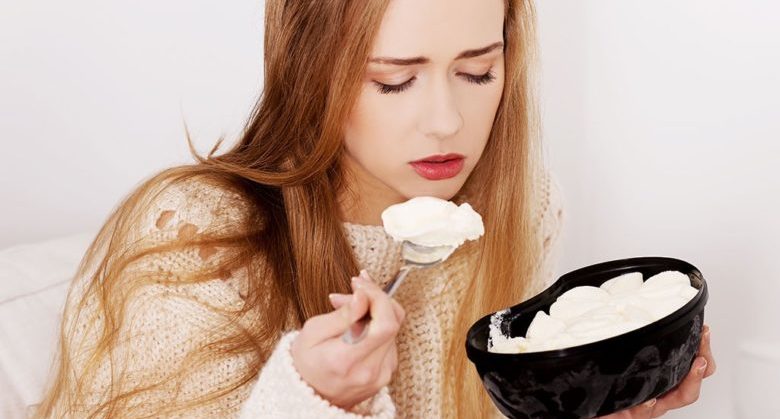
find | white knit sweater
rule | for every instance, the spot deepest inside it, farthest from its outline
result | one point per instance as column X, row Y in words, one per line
column 166, row 327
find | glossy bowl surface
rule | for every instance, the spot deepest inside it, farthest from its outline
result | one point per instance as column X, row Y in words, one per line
column 597, row 378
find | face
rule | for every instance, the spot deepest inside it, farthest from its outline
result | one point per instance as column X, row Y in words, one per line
column 432, row 86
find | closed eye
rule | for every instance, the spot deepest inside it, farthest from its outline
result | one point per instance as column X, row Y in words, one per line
column 398, row 88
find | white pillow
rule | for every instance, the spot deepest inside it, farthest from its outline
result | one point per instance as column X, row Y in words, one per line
column 35, row 279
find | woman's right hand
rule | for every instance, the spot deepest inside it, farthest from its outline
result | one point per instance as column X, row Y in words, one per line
column 346, row 374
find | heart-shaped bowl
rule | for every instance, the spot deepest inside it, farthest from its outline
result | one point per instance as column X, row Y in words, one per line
column 596, row 378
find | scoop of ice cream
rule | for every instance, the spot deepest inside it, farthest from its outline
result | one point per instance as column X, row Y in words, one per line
column 623, row 284
column 585, row 293
column 571, row 309
column 431, row 221
column 587, row 314
column 544, row 326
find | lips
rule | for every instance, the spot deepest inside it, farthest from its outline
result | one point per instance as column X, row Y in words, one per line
column 439, row 166
column 438, row 158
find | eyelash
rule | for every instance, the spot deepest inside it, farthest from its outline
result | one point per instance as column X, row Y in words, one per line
column 398, row 88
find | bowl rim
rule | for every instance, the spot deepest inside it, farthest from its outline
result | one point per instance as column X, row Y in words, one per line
column 680, row 315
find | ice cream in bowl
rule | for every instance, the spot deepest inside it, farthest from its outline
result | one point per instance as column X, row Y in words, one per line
column 600, row 339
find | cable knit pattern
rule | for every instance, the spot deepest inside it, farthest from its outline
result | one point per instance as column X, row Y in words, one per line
column 168, row 322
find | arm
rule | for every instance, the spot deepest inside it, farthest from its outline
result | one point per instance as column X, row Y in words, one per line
column 177, row 349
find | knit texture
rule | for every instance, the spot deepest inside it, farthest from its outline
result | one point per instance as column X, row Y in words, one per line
column 165, row 323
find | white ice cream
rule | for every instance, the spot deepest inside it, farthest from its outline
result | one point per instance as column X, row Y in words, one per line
column 587, row 314
column 430, row 221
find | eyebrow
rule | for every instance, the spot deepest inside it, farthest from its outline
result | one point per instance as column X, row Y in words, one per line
column 424, row 60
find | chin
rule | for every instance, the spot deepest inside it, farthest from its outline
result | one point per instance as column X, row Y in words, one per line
column 442, row 189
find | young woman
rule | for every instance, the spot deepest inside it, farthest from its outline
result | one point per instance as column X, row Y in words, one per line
column 221, row 289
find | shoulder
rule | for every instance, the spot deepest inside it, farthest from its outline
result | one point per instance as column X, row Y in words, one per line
column 171, row 227
column 172, row 207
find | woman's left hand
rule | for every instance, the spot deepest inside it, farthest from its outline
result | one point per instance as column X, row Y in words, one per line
column 684, row 394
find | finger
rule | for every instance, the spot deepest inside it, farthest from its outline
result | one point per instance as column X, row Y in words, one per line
column 358, row 316
column 318, row 329
column 400, row 313
column 337, row 300
column 398, row 310
column 644, row 410
column 389, row 365
column 371, row 287
column 687, row 391
column 705, row 350
column 385, row 362
column 383, row 325
column 623, row 414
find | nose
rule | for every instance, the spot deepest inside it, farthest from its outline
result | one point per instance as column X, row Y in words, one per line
column 441, row 116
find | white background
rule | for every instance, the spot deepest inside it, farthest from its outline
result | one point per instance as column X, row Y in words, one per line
column 660, row 120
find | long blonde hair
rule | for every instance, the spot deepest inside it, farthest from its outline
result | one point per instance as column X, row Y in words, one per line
column 286, row 164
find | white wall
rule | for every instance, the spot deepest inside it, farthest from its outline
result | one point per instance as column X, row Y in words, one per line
column 659, row 121
column 662, row 123
column 93, row 96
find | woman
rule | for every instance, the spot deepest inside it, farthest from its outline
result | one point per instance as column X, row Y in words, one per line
column 220, row 289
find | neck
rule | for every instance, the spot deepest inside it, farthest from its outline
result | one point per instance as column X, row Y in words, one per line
column 366, row 196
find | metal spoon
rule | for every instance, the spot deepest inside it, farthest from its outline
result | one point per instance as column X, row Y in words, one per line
column 414, row 256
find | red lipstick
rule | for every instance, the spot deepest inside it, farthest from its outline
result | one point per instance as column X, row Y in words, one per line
column 440, row 166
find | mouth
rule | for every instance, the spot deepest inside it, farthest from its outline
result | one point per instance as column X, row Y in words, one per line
column 439, row 167
column 440, row 158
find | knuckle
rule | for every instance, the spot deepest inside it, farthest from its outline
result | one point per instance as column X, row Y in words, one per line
column 363, row 376
column 393, row 364
column 341, row 370
column 401, row 311
column 385, row 377
column 691, row 398
column 386, row 330
column 336, row 365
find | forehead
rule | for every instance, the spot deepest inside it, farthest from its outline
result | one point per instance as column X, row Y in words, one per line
column 439, row 29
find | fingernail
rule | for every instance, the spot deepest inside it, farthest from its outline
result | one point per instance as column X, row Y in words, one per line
column 702, row 366
column 356, row 282
column 707, row 334
column 651, row 403
column 364, row 274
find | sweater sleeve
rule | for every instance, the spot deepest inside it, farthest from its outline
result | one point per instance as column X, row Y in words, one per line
column 299, row 400
column 171, row 352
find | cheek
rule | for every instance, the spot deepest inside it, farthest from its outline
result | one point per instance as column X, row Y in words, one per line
column 479, row 107
column 374, row 134
column 480, row 103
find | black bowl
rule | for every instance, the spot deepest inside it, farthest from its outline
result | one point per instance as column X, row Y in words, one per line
column 600, row 377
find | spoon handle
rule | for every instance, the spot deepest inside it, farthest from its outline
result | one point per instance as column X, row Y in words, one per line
column 357, row 331
column 392, row 286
